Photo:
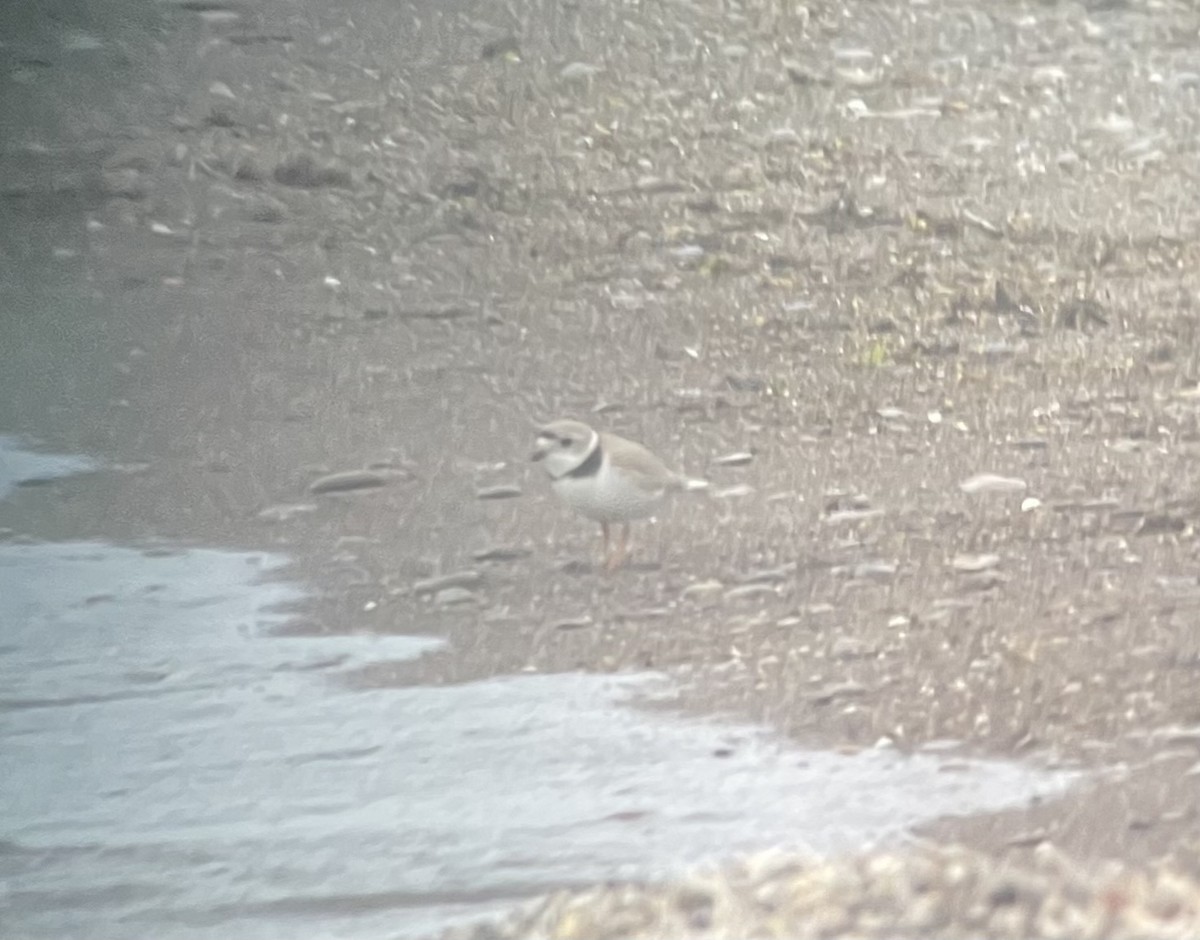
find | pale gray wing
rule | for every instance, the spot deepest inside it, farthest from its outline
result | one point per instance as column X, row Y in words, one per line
column 645, row 470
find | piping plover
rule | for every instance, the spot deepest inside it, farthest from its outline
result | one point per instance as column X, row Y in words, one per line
column 606, row 478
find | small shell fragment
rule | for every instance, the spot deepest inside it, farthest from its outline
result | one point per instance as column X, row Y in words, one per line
column 453, row 596
column 743, row 591
column 733, row 492
column 501, row 553
column 458, row 579
column 573, row 623
column 347, row 481
column 701, row 589
column 501, row 491
column 992, row 483
column 974, row 563
column 579, row 71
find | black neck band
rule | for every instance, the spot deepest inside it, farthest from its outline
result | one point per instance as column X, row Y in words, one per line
column 590, row 466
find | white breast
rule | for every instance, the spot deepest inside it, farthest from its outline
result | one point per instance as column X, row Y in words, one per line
column 609, row 496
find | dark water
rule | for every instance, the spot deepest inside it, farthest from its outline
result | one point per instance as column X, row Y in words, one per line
column 174, row 769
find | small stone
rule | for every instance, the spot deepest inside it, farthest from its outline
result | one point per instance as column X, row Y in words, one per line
column 992, row 483
column 282, row 512
column 460, row 579
column 247, row 169
column 848, row 647
column 264, row 208
column 303, row 172
column 220, row 116
column 347, row 481
column 769, row 575
column 744, row 591
column 701, row 589
column 579, row 71
column 983, row 580
column 836, row 690
column 687, row 254
column 974, row 563
column 746, row 383
column 501, row 491
column 506, row 48
column 573, row 623
column 451, row 596
column 124, row 183
column 436, row 313
column 655, row 185
column 501, row 553
column 851, row 515
column 878, row 570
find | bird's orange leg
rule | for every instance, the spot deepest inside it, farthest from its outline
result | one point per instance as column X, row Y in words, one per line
column 622, row 552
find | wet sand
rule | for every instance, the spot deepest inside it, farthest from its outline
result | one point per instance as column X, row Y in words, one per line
column 894, row 255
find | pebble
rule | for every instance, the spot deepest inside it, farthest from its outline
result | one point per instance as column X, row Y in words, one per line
column 925, row 891
column 579, row 71
column 701, row 589
column 303, row 172
column 836, row 690
column 457, row 579
column 974, row 563
column 347, row 481
column 892, row 414
column 282, row 512
column 991, row 483
column 124, row 183
column 733, row 492
column 743, row 591
column 573, row 623
column 878, row 569
column 501, row 553
column 738, row 459
column 448, row 597
column 768, row 575
column 502, row 491
column 264, row 208
column 687, row 253
column 851, row 515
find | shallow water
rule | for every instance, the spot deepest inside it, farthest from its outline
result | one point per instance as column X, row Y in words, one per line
column 22, row 467
column 174, row 767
